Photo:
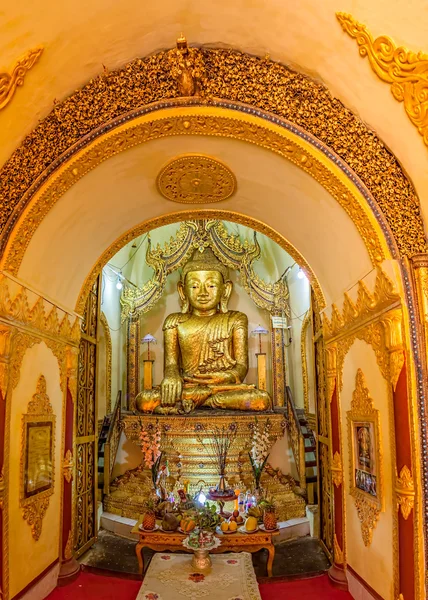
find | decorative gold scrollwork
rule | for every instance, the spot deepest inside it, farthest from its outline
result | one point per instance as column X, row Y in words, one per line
column 68, row 550
column 407, row 71
column 228, row 248
column 336, row 470
column 10, row 81
column 405, row 489
column 67, row 466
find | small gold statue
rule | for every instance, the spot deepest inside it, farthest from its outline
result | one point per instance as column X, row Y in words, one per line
column 205, row 347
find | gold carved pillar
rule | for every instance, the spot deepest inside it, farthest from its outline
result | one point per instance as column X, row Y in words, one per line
column 133, row 360
column 278, row 361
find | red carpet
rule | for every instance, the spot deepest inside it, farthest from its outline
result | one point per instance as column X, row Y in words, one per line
column 90, row 587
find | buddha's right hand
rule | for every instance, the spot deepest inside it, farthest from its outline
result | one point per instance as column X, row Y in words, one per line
column 171, row 388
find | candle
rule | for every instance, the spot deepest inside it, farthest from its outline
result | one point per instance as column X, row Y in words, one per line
column 236, row 503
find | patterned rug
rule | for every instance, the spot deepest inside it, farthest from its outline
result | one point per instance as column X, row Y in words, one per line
column 171, row 577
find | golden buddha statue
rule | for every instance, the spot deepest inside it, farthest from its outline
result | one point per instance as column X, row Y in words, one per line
column 205, row 347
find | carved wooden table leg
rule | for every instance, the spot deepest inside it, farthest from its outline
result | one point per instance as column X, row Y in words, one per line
column 271, row 550
column 139, row 552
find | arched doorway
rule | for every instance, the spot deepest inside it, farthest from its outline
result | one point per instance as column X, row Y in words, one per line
column 80, row 210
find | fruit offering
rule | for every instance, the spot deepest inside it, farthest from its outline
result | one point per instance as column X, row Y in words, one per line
column 270, row 520
column 187, row 524
column 149, row 519
column 251, row 524
column 169, row 522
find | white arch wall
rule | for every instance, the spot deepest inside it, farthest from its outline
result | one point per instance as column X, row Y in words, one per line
column 121, row 192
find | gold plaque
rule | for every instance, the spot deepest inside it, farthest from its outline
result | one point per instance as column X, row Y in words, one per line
column 196, row 179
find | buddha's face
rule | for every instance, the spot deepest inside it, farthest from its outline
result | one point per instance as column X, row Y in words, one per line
column 204, row 289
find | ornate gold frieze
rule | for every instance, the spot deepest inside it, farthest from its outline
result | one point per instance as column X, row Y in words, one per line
column 40, row 316
column 366, row 307
column 37, row 458
column 197, row 235
column 336, row 470
column 406, row 71
column 196, row 179
column 232, row 76
column 368, row 494
column 109, row 350
column 10, row 81
column 405, row 489
column 67, row 466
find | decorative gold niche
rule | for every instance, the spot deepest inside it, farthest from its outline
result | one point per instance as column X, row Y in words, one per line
column 37, row 458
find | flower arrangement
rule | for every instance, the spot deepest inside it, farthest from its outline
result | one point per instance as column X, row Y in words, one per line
column 218, row 444
column 150, row 439
column 260, row 448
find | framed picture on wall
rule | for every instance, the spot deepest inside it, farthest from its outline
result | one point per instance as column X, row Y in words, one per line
column 365, row 457
column 37, row 458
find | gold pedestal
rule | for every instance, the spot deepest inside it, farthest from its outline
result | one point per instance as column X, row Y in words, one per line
column 148, row 374
column 261, row 370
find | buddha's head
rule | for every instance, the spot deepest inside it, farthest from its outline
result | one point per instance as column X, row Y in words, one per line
column 205, row 284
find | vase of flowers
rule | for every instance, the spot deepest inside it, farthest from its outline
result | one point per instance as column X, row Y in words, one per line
column 150, row 443
column 201, row 540
column 260, row 448
column 217, row 443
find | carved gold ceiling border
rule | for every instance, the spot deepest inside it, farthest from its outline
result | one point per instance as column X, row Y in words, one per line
column 10, row 81
column 368, row 504
column 406, row 71
column 229, row 249
column 34, row 503
column 196, row 179
column 261, row 85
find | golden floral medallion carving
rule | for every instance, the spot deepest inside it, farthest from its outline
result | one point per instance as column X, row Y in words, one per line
column 196, row 179
column 365, row 458
column 336, row 470
column 10, row 81
column 406, row 71
column 37, row 458
column 405, row 489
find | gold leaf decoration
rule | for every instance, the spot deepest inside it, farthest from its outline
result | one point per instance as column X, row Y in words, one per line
column 338, row 552
column 68, row 550
column 10, row 81
column 67, row 466
column 406, row 71
column 336, row 470
column 405, row 489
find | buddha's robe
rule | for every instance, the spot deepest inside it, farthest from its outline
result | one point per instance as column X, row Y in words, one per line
column 206, row 345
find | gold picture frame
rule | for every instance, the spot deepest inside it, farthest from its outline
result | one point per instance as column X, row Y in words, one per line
column 365, row 458
column 37, row 458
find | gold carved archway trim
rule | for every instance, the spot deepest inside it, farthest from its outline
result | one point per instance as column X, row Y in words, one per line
column 225, row 78
column 198, row 120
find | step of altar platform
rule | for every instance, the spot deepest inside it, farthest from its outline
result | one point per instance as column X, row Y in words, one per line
column 288, row 530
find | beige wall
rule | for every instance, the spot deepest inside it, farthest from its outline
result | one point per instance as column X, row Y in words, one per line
column 27, row 557
column 375, row 562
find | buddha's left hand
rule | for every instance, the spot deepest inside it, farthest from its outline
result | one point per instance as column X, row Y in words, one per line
column 215, row 378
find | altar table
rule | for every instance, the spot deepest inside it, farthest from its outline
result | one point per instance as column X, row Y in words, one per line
column 160, row 541
column 171, row 577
